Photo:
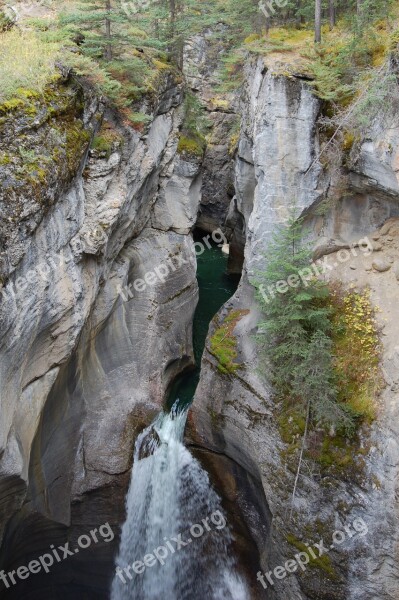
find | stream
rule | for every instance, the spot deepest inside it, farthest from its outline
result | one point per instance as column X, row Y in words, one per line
column 175, row 542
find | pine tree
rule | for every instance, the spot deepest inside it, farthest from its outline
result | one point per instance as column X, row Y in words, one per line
column 295, row 333
column 98, row 21
column 171, row 22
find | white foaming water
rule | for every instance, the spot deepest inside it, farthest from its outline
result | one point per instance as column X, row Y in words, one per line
column 169, row 492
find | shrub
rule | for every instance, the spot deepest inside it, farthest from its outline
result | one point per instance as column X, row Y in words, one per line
column 359, row 375
column 107, row 140
column 191, row 146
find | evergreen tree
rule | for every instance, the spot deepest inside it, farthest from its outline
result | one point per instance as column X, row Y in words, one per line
column 170, row 23
column 295, row 333
column 98, row 21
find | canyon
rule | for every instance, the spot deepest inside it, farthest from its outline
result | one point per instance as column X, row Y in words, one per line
column 84, row 371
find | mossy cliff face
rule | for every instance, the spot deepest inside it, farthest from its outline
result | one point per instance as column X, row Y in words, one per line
column 43, row 141
column 87, row 349
column 235, row 414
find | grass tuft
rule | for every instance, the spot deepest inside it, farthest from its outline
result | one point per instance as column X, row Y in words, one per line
column 27, row 62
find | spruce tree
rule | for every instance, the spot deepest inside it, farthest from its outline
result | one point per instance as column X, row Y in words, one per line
column 98, row 21
column 295, row 333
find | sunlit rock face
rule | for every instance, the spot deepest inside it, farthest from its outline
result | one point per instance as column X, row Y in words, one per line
column 233, row 418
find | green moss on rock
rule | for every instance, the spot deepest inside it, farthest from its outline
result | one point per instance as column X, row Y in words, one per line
column 191, row 146
column 223, row 343
column 322, row 563
column 42, row 141
column 107, row 140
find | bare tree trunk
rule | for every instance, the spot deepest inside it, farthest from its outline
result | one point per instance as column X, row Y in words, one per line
column 305, row 435
column 267, row 26
column 176, row 51
column 359, row 7
column 108, row 35
column 300, row 19
column 331, row 8
column 172, row 8
column 317, row 23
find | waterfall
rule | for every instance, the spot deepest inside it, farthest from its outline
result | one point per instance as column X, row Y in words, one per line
column 175, row 543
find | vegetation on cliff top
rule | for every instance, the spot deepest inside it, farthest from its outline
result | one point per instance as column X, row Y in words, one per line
column 26, row 63
column 128, row 49
column 43, row 140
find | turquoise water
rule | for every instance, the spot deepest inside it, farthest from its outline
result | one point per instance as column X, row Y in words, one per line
column 215, row 288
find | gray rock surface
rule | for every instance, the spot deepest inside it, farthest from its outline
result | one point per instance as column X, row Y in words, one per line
column 88, row 350
column 95, row 321
column 202, row 62
column 234, row 414
column 381, row 265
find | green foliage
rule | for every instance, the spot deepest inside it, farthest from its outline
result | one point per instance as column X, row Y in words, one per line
column 336, row 454
column 138, row 118
column 223, row 343
column 26, row 62
column 381, row 99
column 195, row 118
column 232, row 72
column 107, row 54
column 235, row 132
column 191, row 146
column 321, row 350
column 84, row 66
column 195, row 125
column 98, row 21
column 107, row 140
column 323, row 563
column 328, row 74
column 342, row 65
column 6, row 23
column 295, row 333
column 359, row 374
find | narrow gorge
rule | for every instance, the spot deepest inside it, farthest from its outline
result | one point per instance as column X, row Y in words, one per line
column 134, row 402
